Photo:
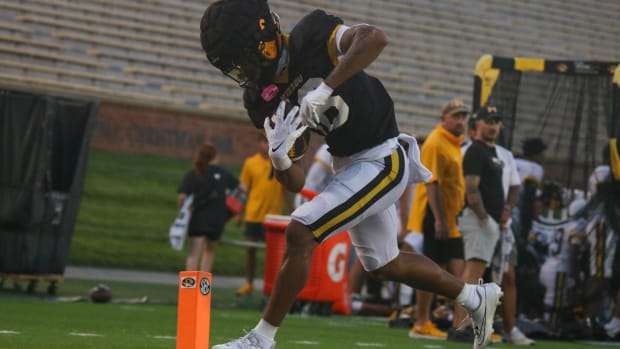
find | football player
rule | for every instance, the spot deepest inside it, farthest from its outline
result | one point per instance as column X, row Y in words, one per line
column 560, row 273
column 355, row 113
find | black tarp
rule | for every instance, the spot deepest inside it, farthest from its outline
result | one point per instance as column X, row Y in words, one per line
column 44, row 143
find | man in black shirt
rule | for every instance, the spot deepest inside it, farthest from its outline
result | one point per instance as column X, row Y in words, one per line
column 484, row 197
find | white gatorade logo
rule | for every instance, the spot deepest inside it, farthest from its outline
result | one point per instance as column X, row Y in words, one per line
column 336, row 262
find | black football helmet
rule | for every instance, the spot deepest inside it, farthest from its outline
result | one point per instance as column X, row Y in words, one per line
column 551, row 195
column 242, row 38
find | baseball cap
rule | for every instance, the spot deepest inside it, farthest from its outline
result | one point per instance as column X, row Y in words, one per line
column 488, row 112
column 454, row 106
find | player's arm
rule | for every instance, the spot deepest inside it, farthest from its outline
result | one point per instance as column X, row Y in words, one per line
column 292, row 179
column 474, row 199
column 361, row 45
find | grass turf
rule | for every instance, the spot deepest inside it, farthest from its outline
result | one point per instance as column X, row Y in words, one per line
column 39, row 324
column 31, row 322
column 127, row 206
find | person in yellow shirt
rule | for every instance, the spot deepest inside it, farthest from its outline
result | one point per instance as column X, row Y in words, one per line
column 436, row 205
column 265, row 195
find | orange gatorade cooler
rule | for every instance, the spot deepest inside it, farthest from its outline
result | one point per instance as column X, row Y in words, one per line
column 328, row 279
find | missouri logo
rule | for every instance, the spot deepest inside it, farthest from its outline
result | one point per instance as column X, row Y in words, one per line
column 188, row 282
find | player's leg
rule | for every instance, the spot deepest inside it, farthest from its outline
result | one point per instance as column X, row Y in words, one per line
column 380, row 255
column 423, row 326
column 360, row 189
column 478, row 247
column 293, row 272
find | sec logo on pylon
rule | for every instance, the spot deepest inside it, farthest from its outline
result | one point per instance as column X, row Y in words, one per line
column 205, row 286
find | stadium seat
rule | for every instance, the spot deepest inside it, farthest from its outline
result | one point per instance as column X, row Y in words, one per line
column 152, row 48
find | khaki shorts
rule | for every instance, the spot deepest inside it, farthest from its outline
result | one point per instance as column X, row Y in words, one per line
column 479, row 242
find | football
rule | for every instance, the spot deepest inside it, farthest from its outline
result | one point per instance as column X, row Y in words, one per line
column 299, row 148
column 100, row 294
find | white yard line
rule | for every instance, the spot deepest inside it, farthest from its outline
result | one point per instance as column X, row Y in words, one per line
column 82, row 334
column 374, row 345
column 305, row 342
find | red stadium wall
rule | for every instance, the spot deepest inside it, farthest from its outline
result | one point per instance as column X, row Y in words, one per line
column 123, row 128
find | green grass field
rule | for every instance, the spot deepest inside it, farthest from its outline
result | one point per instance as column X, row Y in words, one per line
column 28, row 324
column 127, row 206
column 37, row 321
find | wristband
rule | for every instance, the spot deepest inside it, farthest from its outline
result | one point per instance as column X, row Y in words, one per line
column 281, row 163
column 324, row 89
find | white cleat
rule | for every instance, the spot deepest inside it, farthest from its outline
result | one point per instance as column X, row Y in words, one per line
column 517, row 337
column 252, row 340
column 482, row 317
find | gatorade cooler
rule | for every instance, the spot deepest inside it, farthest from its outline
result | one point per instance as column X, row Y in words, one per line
column 328, row 279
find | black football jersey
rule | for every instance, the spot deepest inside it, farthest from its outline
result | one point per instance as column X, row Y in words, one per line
column 361, row 111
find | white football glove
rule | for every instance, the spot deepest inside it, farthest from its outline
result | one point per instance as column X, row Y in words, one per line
column 312, row 107
column 282, row 136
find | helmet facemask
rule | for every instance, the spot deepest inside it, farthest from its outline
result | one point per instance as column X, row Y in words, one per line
column 258, row 61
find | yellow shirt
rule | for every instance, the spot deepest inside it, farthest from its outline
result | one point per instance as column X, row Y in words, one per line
column 265, row 193
column 441, row 153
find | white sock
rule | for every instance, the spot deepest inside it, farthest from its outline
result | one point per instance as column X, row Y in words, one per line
column 468, row 298
column 266, row 329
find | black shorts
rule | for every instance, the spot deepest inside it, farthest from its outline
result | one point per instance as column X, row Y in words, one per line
column 254, row 231
column 204, row 224
column 440, row 251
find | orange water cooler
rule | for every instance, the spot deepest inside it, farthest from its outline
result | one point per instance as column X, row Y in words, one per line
column 328, row 279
